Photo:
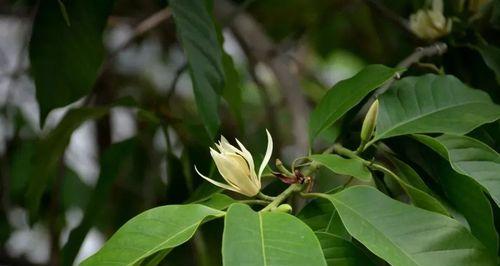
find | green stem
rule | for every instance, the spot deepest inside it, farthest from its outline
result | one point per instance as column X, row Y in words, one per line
column 282, row 168
column 265, row 197
column 311, row 195
column 281, row 197
column 361, row 147
column 256, row 202
column 345, row 152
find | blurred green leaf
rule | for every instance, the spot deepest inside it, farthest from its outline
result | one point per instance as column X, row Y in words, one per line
column 157, row 229
column 112, row 164
column 491, row 56
column 345, row 95
column 433, row 104
column 65, row 59
column 198, row 37
column 21, row 163
column 404, row 235
column 232, row 91
column 343, row 166
column 74, row 192
column 50, row 150
column 268, row 238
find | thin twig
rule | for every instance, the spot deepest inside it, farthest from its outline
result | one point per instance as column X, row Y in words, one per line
column 438, row 48
column 173, row 84
column 142, row 28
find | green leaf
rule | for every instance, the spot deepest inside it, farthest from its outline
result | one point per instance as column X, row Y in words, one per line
column 198, row 36
column 469, row 157
column 345, row 95
column 343, row 166
column 113, row 161
column 468, row 198
column 420, row 195
column 50, row 150
column 339, row 251
column 218, row 201
column 65, row 59
column 157, row 229
column 432, row 104
column 404, row 235
column 321, row 216
column 491, row 56
column 465, row 194
column 269, row 238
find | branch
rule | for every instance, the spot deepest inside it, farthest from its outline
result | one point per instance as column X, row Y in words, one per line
column 264, row 50
column 142, row 28
column 437, row 48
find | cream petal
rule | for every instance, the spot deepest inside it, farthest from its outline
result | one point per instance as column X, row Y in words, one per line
column 248, row 157
column 233, row 169
column 267, row 156
column 230, row 166
column 226, row 146
column 219, row 184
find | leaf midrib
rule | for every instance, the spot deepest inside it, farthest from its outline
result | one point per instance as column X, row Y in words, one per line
column 421, row 116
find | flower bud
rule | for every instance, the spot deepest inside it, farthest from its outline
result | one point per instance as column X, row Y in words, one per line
column 369, row 122
column 236, row 166
column 286, row 208
column 430, row 24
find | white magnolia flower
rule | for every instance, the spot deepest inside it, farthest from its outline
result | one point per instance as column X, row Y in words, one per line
column 430, row 23
column 237, row 167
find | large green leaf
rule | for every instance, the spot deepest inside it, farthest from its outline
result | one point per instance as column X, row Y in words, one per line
column 343, row 166
column 198, row 36
column 50, row 150
column 345, row 95
column 65, row 58
column 339, row 251
column 112, row 164
column 420, row 195
column 404, row 235
column 469, row 157
column 433, row 104
column 155, row 230
column 468, row 198
column 268, row 238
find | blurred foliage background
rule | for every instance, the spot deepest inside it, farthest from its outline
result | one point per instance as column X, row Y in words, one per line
column 135, row 149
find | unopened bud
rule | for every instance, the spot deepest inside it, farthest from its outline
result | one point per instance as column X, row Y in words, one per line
column 286, row 208
column 282, row 168
column 430, row 24
column 369, row 122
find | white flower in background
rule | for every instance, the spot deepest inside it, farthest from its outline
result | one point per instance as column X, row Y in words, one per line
column 237, row 167
column 430, row 24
